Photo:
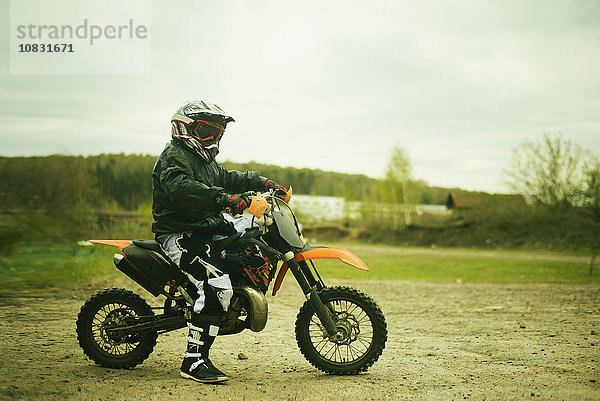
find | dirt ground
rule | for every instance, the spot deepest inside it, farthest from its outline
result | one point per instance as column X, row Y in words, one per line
column 446, row 341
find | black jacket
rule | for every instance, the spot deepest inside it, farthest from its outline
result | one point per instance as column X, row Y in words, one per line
column 188, row 192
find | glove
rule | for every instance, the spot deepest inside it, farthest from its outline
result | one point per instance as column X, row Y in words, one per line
column 235, row 204
column 278, row 190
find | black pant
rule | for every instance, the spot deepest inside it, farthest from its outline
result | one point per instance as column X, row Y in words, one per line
column 199, row 260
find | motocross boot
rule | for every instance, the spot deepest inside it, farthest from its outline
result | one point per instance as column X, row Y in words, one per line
column 196, row 364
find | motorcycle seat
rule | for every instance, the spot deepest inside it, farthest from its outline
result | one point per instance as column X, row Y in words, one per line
column 149, row 244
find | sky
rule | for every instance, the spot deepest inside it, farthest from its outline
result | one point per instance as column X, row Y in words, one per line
column 333, row 85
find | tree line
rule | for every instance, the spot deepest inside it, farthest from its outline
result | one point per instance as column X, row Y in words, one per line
column 110, row 182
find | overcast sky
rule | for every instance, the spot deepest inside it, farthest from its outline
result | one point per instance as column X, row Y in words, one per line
column 334, row 85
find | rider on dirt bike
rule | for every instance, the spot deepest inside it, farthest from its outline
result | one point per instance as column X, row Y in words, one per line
column 190, row 191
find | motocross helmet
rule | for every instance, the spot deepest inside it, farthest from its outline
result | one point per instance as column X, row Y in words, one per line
column 199, row 125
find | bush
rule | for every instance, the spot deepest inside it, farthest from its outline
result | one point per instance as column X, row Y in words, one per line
column 491, row 225
column 9, row 237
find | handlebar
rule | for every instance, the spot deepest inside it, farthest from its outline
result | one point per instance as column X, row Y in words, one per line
column 260, row 202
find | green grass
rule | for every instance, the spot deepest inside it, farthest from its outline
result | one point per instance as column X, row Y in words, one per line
column 55, row 265
column 71, row 266
column 450, row 265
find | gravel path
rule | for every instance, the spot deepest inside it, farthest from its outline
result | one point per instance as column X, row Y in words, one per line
column 446, row 341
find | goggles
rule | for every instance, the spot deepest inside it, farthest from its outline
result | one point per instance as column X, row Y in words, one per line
column 208, row 129
column 207, row 132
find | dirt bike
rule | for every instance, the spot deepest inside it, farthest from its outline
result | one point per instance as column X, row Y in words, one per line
column 339, row 330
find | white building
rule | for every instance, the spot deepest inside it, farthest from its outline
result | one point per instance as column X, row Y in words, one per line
column 318, row 207
column 329, row 208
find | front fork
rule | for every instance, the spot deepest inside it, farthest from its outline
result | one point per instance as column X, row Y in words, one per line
column 310, row 292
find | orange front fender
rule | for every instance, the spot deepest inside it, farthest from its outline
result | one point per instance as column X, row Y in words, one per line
column 320, row 252
column 331, row 252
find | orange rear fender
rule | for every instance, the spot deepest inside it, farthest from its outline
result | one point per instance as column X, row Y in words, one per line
column 119, row 243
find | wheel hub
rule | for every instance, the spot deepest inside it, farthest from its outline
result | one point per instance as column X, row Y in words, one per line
column 114, row 320
column 347, row 329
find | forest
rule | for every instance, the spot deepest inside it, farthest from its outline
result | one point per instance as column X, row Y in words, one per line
column 67, row 197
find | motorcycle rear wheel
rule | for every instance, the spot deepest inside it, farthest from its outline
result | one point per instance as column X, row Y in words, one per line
column 109, row 309
column 357, row 317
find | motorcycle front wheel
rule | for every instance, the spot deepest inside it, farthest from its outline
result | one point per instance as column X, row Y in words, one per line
column 361, row 328
column 98, row 323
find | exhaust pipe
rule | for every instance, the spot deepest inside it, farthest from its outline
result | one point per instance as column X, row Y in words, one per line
column 259, row 308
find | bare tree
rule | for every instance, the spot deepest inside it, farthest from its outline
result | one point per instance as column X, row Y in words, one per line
column 591, row 199
column 398, row 174
column 556, row 173
column 592, row 186
column 550, row 172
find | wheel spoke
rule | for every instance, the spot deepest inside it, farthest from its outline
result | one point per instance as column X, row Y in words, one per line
column 329, row 353
column 353, row 353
